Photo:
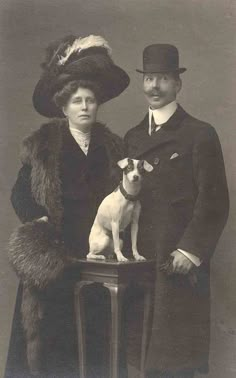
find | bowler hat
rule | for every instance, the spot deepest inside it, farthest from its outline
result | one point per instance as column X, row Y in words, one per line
column 160, row 58
column 74, row 58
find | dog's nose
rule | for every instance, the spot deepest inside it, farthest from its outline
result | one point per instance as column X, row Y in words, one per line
column 135, row 178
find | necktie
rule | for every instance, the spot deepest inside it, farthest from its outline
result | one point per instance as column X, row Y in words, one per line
column 154, row 126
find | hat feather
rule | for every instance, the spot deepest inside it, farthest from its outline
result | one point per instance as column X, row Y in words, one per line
column 54, row 50
column 81, row 44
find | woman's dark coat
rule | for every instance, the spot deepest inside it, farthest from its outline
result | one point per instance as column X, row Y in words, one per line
column 184, row 205
column 56, row 180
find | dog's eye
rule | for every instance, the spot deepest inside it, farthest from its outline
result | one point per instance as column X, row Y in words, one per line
column 141, row 170
column 141, row 167
column 129, row 168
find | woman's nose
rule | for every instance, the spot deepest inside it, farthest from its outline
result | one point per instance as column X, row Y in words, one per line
column 84, row 105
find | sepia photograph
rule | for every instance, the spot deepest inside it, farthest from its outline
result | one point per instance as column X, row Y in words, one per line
column 118, row 183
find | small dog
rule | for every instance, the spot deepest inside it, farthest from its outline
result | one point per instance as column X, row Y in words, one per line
column 117, row 211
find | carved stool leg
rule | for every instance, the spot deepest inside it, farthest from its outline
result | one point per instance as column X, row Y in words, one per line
column 116, row 292
column 81, row 326
column 147, row 312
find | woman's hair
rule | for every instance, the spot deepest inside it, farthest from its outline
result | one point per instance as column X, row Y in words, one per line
column 62, row 96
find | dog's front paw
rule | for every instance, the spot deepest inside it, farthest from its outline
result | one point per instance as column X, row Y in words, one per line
column 138, row 257
column 92, row 256
column 120, row 256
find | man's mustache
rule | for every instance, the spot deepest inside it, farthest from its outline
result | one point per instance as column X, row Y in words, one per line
column 154, row 93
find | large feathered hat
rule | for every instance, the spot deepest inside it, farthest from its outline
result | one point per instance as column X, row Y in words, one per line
column 77, row 59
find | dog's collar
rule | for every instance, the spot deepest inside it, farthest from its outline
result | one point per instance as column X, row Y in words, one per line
column 127, row 196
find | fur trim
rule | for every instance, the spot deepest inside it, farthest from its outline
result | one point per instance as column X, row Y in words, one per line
column 32, row 314
column 41, row 150
column 37, row 254
column 81, row 44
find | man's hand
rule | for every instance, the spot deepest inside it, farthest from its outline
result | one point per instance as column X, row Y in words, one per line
column 43, row 219
column 181, row 264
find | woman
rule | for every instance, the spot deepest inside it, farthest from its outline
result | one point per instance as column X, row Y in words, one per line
column 69, row 165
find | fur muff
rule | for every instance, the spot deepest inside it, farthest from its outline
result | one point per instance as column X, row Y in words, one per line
column 37, row 254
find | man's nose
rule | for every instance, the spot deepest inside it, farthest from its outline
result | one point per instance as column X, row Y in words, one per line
column 155, row 82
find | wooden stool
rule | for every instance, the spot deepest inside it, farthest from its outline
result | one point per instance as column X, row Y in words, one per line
column 116, row 277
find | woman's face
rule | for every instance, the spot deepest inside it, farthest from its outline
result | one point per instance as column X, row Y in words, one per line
column 81, row 109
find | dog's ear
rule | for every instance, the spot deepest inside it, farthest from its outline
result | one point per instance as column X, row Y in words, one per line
column 123, row 163
column 148, row 167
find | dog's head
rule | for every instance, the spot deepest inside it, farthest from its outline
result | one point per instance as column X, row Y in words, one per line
column 134, row 169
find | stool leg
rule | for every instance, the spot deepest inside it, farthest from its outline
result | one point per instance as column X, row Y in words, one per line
column 81, row 326
column 147, row 312
column 116, row 292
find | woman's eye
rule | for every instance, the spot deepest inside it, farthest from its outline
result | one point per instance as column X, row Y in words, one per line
column 91, row 101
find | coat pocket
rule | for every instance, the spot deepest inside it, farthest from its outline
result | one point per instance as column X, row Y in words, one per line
column 183, row 199
column 185, row 156
column 182, row 209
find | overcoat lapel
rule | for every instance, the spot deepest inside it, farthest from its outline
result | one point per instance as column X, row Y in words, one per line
column 97, row 139
column 144, row 142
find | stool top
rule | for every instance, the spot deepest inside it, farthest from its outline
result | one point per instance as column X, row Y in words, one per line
column 116, row 272
column 112, row 262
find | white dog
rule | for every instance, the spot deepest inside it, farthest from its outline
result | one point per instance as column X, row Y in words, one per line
column 117, row 211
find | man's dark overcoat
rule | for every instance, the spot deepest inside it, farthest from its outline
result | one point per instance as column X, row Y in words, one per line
column 59, row 181
column 184, row 205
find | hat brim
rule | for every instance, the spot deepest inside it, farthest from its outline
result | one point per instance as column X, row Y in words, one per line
column 112, row 81
column 178, row 70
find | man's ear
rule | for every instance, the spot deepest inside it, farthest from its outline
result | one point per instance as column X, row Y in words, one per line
column 178, row 85
column 123, row 163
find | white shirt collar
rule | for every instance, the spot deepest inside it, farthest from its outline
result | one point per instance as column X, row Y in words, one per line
column 162, row 115
column 83, row 139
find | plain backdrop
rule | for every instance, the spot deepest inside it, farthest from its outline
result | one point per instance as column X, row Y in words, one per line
column 204, row 32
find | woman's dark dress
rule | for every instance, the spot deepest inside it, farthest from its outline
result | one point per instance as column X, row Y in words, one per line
column 84, row 182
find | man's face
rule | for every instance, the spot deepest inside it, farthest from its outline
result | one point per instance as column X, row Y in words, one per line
column 160, row 88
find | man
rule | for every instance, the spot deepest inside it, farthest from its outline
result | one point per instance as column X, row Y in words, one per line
column 184, row 210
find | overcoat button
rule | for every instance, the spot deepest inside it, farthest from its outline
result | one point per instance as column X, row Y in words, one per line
column 156, row 160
